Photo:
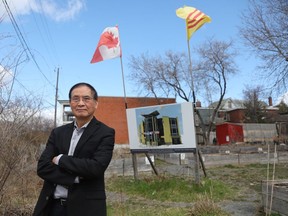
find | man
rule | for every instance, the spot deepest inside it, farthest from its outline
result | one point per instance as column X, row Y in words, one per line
column 74, row 161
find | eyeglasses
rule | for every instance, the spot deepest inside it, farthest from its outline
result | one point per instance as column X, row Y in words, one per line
column 85, row 99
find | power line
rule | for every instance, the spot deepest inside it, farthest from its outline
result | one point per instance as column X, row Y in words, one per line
column 49, row 36
column 15, row 26
column 23, row 41
column 14, row 79
column 25, row 45
column 48, row 40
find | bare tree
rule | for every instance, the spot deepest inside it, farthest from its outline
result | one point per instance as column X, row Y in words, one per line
column 214, row 68
column 21, row 133
column 161, row 76
column 254, row 107
column 265, row 31
column 9, row 65
column 283, row 107
column 170, row 75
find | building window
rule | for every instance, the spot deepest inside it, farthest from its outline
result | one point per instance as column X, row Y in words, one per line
column 70, row 118
column 67, row 113
column 67, row 108
column 173, row 126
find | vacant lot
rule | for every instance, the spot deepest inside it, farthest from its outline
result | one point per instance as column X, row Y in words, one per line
column 239, row 174
column 233, row 186
column 235, row 189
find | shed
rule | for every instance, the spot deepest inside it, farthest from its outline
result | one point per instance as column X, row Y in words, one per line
column 227, row 133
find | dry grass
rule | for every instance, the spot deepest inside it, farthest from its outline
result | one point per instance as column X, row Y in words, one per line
column 205, row 206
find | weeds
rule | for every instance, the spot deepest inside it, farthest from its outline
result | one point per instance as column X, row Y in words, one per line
column 170, row 188
column 205, row 206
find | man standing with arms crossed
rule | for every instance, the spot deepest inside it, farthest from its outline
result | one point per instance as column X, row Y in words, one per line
column 74, row 161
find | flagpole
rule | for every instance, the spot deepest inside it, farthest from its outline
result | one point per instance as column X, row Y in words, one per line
column 196, row 154
column 123, row 82
column 192, row 24
column 190, row 69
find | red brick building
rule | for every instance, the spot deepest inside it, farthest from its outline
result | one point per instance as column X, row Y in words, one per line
column 236, row 115
column 112, row 111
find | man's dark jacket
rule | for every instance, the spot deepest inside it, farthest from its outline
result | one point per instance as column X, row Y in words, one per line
column 91, row 157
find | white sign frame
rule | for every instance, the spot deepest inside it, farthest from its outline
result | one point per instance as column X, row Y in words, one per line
column 184, row 115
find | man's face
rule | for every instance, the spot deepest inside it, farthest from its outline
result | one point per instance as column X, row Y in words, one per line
column 82, row 103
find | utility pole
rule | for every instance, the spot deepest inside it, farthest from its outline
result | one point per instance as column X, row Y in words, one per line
column 56, row 98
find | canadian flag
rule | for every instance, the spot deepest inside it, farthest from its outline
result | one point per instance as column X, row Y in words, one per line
column 108, row 46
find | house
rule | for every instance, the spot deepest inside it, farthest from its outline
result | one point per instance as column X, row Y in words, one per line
column 231, row 118
column 112, row 111
column 233, row 110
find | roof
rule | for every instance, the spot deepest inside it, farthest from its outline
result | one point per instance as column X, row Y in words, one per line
column 232, row 104
column 121, row 97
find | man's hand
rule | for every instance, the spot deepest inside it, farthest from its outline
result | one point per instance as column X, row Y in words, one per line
column 56, row 159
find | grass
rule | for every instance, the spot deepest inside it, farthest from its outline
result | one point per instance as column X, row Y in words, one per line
column 156, row 195
column 166, row 195
column 170, row 188
column 143, row 210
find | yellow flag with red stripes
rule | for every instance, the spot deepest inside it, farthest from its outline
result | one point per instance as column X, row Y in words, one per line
column 194, row 19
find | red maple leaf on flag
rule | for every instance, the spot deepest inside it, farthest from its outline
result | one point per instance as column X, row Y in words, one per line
column 108, row 39
column 108, row 46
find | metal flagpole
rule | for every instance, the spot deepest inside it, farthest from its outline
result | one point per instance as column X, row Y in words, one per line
column 190, row 68
column 196, row 154
column 134, row 156
column 123, row 83
column 188, row 13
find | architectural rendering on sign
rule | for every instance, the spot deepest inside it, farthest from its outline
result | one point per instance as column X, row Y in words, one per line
column 166, row 127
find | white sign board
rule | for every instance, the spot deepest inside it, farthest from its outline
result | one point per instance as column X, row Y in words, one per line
column 167, row 128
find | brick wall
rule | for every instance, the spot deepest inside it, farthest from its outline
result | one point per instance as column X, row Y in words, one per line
column 112, row 111
column 237, row 115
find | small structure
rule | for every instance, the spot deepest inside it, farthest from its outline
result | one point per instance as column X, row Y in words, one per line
column 282, row 132
column 259, row 133
column 227, row 133
column 275, row 197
